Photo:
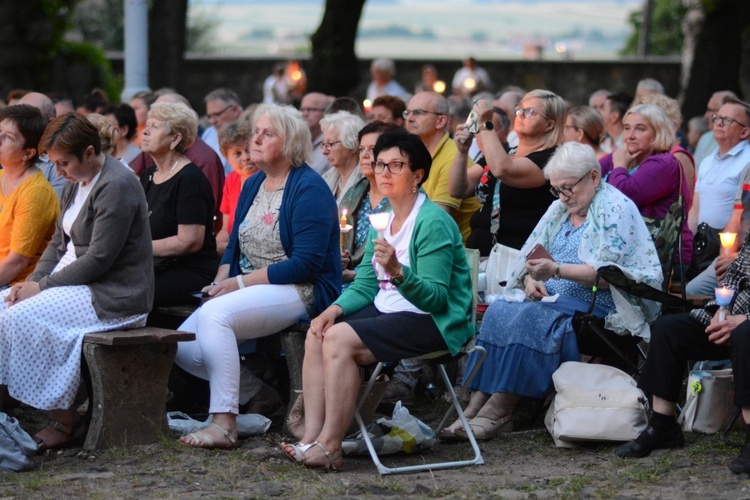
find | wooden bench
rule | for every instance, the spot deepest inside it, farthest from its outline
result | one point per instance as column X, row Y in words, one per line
column 129, row 373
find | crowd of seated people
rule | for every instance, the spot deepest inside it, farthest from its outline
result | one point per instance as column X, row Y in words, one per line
column 265, row 246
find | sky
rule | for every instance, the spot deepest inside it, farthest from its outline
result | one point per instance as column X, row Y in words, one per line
column 440, row 29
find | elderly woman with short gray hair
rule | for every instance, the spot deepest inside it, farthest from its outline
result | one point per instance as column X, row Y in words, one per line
column 590, row 226
column 181, row 206
column 341, row 147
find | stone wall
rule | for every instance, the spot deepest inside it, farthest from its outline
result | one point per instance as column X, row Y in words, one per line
column 573, row 80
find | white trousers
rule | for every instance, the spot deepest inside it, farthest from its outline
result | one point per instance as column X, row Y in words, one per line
column 222, row 323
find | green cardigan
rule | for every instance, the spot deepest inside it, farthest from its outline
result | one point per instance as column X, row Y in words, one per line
column 437, row 282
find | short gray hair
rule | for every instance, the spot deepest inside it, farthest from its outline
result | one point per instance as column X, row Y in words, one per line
column 572, row 159
column 226, row 95
column 181, row 120
column 287, row 122
column 651, row 85
column 384, row 65
column 347, row 125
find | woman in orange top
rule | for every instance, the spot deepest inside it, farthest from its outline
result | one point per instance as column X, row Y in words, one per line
column 28, row 204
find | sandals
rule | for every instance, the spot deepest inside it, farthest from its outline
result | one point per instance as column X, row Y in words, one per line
column 449, row 434
column 330, row 466
column 72, row 435
column 203, row 440
column 297, row 454
column 485, row 428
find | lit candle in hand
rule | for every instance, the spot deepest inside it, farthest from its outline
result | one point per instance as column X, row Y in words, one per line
column 343, row 221
column 724, row 297
column 727, row 241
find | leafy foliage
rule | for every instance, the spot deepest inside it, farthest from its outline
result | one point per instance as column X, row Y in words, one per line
column 666, row 29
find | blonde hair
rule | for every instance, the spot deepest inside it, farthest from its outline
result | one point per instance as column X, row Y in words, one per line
column 555, row 109
column 664, row 134
column 288, row 124
column 109, row 132
column 180, row 119
column 590, row 121
column 670, row 106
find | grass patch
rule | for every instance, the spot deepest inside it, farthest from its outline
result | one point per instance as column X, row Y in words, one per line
column 649, row 473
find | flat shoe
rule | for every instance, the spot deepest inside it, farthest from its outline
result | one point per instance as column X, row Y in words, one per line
column 330, row 466
column 650, row 440
column 485, row 428
column 203, row 440
column 298, row 451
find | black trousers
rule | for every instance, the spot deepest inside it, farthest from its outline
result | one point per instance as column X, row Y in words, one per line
column 676, row 339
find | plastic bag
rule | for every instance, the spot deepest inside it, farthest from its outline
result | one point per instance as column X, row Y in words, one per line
column 402, row 432
column 247, row 425
column 17, row 448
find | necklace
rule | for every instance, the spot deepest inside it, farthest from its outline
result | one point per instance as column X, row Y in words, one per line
column 279, row 187
column 174, row 165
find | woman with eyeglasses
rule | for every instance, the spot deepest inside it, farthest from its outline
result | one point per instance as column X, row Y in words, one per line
column 510, row 185
column 341, row 149
column 419, row 281
column 585, row 125
column 590, row 226
column 363, row 200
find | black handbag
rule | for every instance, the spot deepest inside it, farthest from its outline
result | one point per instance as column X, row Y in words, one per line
column 706, row 247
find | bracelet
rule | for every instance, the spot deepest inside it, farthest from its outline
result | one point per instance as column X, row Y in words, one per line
column 240, row 282
column 213, row 283
column 557, row 272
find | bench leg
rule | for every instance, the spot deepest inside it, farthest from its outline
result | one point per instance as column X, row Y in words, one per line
column 293, row 342
column 129, row 393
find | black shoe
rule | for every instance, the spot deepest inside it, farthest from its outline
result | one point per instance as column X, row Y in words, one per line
column 741, row 464
column 651, row 440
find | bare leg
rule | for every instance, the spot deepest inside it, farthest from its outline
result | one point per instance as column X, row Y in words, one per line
column 343, row 351
column 226, row 421
column 499, row 405
column 477, row 400
column 667, row 408
column 312, row 388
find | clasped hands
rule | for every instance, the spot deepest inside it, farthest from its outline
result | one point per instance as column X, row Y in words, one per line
column 539, row 271
column 22, row 291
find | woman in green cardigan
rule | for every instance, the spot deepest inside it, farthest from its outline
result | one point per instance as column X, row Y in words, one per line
column 420, row 305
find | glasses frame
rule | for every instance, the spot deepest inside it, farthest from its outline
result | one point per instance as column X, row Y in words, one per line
column 309, row 109
column 419, row 112
column 219, row 113
column 379, row 167
column 567, row 192
column 328, row 145
column 726, row 121
column 528, row 113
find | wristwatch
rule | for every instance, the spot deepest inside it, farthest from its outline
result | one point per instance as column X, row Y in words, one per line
column 486, row 126
column 397, row 280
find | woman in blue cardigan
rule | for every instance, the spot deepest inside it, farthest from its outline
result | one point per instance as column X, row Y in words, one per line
column 282, row 264
column 419, row 302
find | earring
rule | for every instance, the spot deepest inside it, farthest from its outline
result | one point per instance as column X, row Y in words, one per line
column 414, row 189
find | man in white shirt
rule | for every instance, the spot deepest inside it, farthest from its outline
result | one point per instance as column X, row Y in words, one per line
column 707, row 143
column 222, row 107
column 382, row 72
column 313, row 107
column 471, row 79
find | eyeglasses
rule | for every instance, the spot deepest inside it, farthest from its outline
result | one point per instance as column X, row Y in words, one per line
column 393, row 167
column 568, row 192
column 566, row 127
column 310, row 110
column 328, row 145
column 219, row 113
column 528, row 112
column 419, row 112
column 726, row 121
column 369, row 150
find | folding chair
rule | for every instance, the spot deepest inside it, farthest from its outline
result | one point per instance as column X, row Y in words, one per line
column 441, row 358
column 595, row 340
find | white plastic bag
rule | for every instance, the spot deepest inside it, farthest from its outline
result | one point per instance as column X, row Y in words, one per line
column 405, row 433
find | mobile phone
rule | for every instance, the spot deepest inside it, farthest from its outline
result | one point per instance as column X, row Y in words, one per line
column 199, row 295
column 472, row 121
column 539, row 252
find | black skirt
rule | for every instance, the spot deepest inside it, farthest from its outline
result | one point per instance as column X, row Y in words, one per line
column 395, row 336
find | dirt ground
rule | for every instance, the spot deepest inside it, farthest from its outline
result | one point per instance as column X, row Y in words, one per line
column 522, row 464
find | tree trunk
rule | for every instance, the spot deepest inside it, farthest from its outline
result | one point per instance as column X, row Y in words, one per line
column 715, row 41
column 167, row 37
column 645, row 34
column 334, row 68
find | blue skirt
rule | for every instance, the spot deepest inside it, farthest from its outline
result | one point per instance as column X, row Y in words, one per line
column 526, row 342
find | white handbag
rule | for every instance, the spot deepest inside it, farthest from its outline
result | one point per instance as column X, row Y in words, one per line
column 595, row 403
column 499, row 266
column 708, row 405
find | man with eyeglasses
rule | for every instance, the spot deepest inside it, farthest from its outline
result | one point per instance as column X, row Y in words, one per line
column 707, row 143
column 313, row 108
column 719, row 177
column 222, row 108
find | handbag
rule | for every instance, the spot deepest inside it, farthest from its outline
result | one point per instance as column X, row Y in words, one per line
column 295, row 422
column 706, row 247
column 500, row 264
column 708, row 406
column 595, row 403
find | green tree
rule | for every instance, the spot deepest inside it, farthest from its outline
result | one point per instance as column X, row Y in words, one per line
column 666, row 36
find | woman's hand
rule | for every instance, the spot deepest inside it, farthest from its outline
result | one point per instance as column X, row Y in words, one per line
column 541, row 269
column 624, row 158
column 385, row 255
column 22, row 291
column 719, row 332
column 223, row 287
column 463, row 139
column 534, row 289
column 348, row 275
column 345, row 259
column 320, row 325
column 484, row 111
column 722, row 264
